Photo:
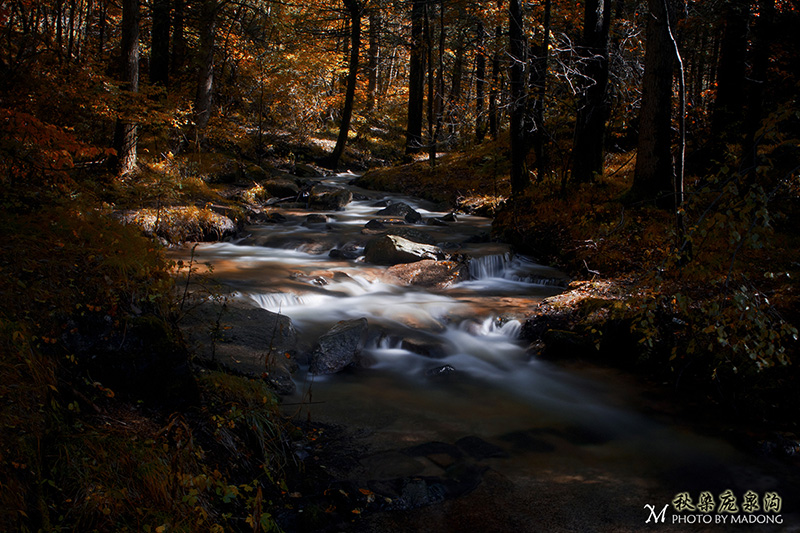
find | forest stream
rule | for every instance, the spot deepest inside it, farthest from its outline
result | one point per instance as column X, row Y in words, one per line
column 453, row 423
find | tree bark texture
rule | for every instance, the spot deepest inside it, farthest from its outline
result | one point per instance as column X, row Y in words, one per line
column 757, row 82
column 654, row 172
column 593, row 108
column 159, row 44
column 538, row 88
column 354, row 10
column 416, row 79
column 205, row 67
column 518, row 133
column 178, row 58
column 727, row 118
column 480, row 84
column 125, row 131
column 374, row 56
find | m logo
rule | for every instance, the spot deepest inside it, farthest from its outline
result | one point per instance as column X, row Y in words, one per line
column 662, row 515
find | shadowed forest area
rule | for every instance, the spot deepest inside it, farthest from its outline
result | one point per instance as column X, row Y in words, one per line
column 649, row 150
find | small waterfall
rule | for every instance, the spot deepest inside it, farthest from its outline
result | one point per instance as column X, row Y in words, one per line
column 275, row 301
column 511, row 268
column 492, row 327
column 489, row 266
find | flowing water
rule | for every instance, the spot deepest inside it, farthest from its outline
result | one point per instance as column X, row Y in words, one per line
column 559, row 449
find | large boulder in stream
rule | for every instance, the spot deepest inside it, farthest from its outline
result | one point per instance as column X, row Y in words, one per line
column 394, row 250
column 245, row 339
column 401, row 210
column 340, row 347
column 410, row 234
column 278, row 187
column 427, row 273
column 329, row 198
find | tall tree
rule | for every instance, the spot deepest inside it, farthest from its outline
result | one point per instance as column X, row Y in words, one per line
column 480, row 83
column 354, row 9
column 654, row 172
column 205, row 66
column 416, row 78
column 494, row 89
column 519, row 138
column 159, row 44
column 373, row 58
column 727, row 118
column 593, row 109
column 178, row 57
column 538, row 89
column 758, row 81
column 125, row 131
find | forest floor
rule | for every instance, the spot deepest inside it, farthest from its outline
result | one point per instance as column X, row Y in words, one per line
column 714, row 332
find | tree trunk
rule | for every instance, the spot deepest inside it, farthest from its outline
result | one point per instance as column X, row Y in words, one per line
column 538, row 87
column 726, row 120
column 178, row 58
column 757, row 82
column 125, row 131
column 480, row 84
column 453, row 104
column 519, row 138
column 494, row 90
column 416, row 79
column 159, row 46
column 205, row 71
column 374, row 56
column 653, row 176
column 593, row 109
column 354, row 9
column 431, row 85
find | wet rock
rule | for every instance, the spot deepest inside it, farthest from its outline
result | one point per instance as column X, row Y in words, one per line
column 450, row 217
column 280, row 187
column 307, row 171
column 444, row 371
column 393, row 250
column 348, row 251
column 412, row 234
column 432, row 349
column 246, row 339
column 402, row 210
column 340, row 347
column 375, row 224
column 315, row 219
column 427, row 273
column 329, row 198
column 381, row 203
column 479, row 449
column 436, row 221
